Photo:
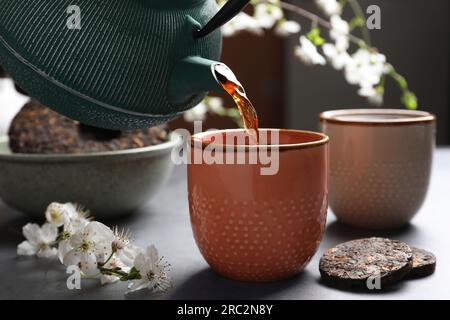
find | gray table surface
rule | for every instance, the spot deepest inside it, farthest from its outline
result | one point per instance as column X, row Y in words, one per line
column 165, row 222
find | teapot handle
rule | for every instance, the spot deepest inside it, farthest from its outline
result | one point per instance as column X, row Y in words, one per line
column 228, row 12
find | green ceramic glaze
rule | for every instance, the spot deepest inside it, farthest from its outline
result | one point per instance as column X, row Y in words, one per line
column 116, row 70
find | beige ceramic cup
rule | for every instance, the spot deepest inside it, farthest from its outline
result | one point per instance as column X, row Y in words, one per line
column 380, row 164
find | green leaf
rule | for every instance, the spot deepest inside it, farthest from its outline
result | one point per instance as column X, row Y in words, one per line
column 402, row 83
column 356, row 22
column 133, row 274
column 380, row 88
column 315, row 37
column 409, row 99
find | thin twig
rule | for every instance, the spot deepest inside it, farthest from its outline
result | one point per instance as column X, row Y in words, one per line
column 305, row 13
column 357, row 10
column 365, row 43
column 320, row 21
column 113, row 272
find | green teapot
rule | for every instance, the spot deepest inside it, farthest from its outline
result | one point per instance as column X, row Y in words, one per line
column 115, row 64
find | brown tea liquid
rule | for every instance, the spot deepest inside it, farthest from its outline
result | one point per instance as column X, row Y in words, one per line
column 248, row 113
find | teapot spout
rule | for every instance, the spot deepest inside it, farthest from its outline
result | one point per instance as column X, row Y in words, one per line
column 191, row 79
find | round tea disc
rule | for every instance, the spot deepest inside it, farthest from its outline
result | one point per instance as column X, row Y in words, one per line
column 423, row 263
column 38, row 129
column 358, row 262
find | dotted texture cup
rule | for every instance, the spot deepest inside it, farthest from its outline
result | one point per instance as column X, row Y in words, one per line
column 380, row 164
column 252, row 227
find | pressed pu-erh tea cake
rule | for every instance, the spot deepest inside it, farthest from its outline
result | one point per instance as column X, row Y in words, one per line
column 38, row 129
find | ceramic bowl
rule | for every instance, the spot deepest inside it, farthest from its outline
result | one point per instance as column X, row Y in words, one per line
column 108, row 183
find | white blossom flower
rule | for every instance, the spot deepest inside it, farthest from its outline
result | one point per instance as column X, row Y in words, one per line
column 365, row 68
column 121, row 239
column 240, row 23
column 90, row 245
column 64, row 245
column 77, row 221
column 330, row 7
column 308, row 53
column 287, row 27
column 373, row 95
column 39, row 240
column 152, row 270
column 98, row 251
column 268, row 14
column 339, row 58
column 338, row 26
column 198, row 113
column 339, row 32
column 367, row 91
column 128, row 254
column 59, row 214
column 215, row 104
column 376, row 99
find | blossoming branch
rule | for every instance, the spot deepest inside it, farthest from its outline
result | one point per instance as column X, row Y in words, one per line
column 362, row 64
column 98, row 251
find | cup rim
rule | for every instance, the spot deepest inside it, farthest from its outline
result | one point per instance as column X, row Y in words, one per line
column 415, row 116
column 323, row 139
column 59, row 157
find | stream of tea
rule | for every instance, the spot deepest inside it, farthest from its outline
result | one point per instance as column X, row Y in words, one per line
column 234, row 88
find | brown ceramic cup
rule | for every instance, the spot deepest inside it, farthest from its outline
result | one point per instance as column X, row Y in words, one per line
column 380, row 164
column 254, row 227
